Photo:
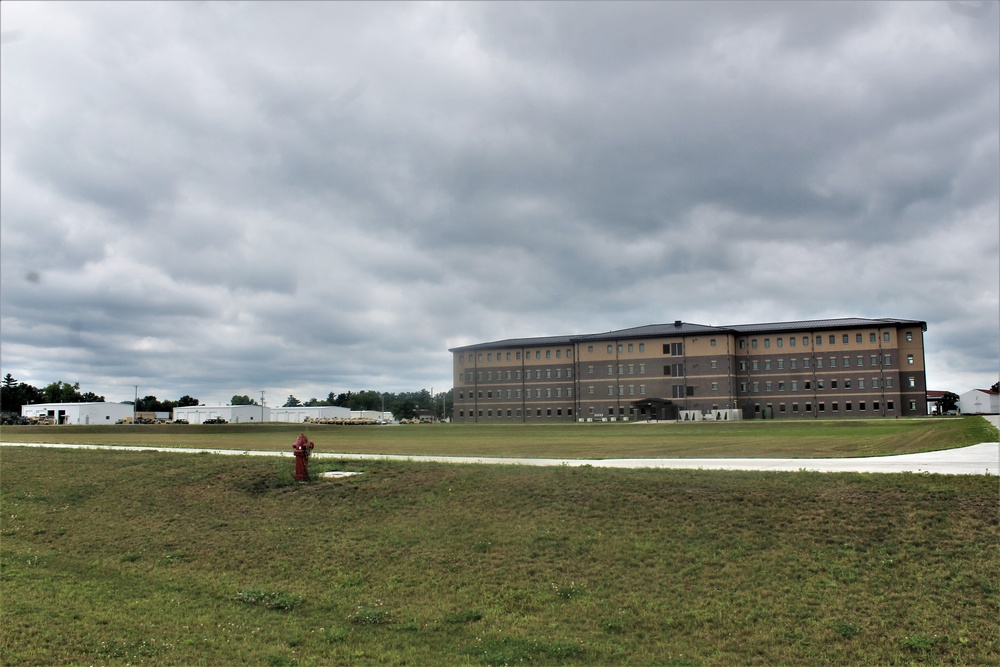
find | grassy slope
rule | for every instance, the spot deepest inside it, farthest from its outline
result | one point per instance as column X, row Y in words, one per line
column 757, row 438
column 139, row 558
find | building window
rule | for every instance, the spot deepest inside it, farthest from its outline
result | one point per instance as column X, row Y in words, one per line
column 847, row 384
column 909, row 336
column 642, row 390
column 619, row 347
column 715, row 386
column 753, row 343
column 642, row 347
column 630, row 347
column 793, row 363
column 861, row 383
column 611, row 369
column 754, row 365
column 857, row 338
column 743, row 387
column 912, row 382
column 887, row 360
column 791, row 341
column 631, row 369
column 767, row 387
column 743, row 344
column 715, row 364
column 833, row 339
column 781, row 386
column 889, row 405
column 795, row 385
column 767, row 364
column 847, row 362
column 805, row 341
column 885, row 337
column 712, row 342
column 819, row 340
column 642, row 368
column 611, row 349
column 874, row 360
column 781, row 364
column 767, row 343
column 847, row 406
column 833, row 362
column 548, row 354
column 590, row 389
column 743, row 365
column 833, row 384
column 861, row 405
column 781, row 342
column 836, row 406
column 590, row 349
column 909, row 359
column 913, row 405
column 756, row 387
column 846, row 339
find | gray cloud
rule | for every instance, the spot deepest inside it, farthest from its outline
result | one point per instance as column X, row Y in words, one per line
column 221, row 198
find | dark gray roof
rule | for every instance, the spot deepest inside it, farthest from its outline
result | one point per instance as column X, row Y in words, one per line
column 516, row 342
column 679, row 328
column 815, row 325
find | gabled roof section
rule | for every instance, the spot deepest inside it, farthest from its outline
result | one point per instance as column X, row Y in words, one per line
column 678, row 328
column 510, row 343
column 816, row 325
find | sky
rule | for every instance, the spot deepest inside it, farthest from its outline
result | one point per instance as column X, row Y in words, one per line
column 225, row 198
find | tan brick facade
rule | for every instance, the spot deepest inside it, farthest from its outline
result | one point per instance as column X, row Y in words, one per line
column 823, row 368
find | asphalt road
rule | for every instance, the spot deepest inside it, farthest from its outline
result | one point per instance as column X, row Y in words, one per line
column 981, row 459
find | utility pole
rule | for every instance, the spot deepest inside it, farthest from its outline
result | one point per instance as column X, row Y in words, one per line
column 261, row 406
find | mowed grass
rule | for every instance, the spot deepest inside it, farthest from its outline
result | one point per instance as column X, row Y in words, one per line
column 114, row 557
column 808, row 439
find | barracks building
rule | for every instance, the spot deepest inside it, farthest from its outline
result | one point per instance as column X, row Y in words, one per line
column 838, row 368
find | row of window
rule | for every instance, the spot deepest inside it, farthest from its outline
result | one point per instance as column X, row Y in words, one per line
column 817, row 362
column 539, row 374
column 516, row 356
column 818, row 340
column 835, row 406
column 516, row 412
column 820, row 385
column 549, row 392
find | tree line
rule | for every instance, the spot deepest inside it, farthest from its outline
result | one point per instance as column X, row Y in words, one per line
column 403, row 405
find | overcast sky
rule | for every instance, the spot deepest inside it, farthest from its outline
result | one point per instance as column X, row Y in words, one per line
column 227, row 197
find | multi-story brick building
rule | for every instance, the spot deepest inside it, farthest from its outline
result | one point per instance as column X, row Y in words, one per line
column 849, row 367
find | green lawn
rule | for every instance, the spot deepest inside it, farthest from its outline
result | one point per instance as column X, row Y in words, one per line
column 816, row 439
column 113, row 558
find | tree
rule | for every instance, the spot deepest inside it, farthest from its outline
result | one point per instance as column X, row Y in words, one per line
column 242, row 400
column 292, row 402
column 186, row 401
column 995, row 387
column 61, row 392
column 949, row 401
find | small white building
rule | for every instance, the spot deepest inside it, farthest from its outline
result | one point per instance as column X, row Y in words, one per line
column 234, row 414
column 300, row 413
column 79, row 413
column 979, row 402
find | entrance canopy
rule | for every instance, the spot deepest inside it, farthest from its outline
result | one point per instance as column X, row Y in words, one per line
column 655, row 408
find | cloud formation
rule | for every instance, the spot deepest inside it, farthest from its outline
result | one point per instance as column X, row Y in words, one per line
column 222, row 198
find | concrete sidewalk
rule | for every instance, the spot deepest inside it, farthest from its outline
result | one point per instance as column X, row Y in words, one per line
column 981, row 459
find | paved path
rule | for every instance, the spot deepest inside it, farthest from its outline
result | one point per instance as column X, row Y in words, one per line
column 981, row 459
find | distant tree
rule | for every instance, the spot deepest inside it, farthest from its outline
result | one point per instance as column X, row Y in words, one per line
column 995, row 387
column 14, row 394
column 342, row 400
column 292, row 402
column 949, row 401
column 62, row 392
column 242, row 400
column 91, row 397
column 186, row 401
column 313, row 402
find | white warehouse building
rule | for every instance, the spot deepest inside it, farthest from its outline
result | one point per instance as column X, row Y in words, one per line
column 79, row 413
column 300, row 413
column 234, row 414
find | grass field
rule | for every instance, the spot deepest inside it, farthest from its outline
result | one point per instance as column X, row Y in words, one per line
column 816, row 439
column 113, row 558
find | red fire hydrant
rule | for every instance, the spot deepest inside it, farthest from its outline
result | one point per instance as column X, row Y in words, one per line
column 302, row 448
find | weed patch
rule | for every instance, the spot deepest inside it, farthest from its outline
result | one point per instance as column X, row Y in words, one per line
column 269, row 599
